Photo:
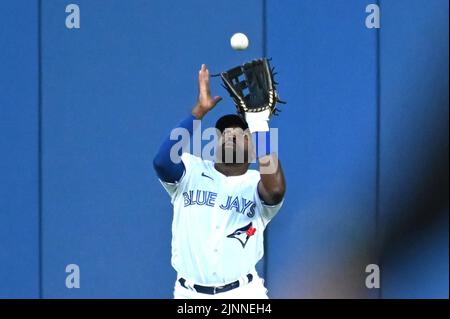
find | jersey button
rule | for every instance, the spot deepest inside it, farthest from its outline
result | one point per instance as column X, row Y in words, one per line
column 217, row 226
column 216, row 250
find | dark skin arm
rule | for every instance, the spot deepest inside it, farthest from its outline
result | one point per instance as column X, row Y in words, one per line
column 272, row 185
column 205, row 101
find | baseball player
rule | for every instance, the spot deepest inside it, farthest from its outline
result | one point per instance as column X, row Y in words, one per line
column 220, row 208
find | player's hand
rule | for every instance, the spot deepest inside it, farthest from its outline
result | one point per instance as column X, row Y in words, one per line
column 205, row 102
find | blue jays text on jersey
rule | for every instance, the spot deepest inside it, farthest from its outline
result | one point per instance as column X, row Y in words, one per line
column 233, row 203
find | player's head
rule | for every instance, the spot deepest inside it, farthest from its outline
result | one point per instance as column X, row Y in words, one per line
column 235, row 143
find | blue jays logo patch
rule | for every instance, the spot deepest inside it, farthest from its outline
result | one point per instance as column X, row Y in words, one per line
column 243, row 234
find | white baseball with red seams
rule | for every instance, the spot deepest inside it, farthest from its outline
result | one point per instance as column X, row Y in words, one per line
column 217, row 229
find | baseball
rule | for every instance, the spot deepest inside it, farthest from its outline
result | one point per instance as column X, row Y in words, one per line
column 239, row 41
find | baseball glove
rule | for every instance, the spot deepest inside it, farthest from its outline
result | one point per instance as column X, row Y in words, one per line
column 253, row 90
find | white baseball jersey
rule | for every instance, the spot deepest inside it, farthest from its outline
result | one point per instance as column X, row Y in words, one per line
column 218, row 223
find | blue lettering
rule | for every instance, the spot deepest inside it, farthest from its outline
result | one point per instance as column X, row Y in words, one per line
column 235, row 204
column 191, row 196
column 251, row 213
column 203, row 200
column 245, row 204
column 187, row 200
column 211, row 199
column 227, row 205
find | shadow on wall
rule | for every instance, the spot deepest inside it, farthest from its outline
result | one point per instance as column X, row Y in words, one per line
column 411, row 248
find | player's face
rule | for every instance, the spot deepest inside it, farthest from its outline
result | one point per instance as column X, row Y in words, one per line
column 234, row 144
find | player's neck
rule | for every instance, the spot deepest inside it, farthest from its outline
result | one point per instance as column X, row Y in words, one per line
column 232, row 169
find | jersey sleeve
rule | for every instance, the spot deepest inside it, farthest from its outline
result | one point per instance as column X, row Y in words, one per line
column 267, row 212
column 173, row 189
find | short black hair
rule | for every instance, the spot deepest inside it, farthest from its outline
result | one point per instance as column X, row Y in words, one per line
column 231, row 120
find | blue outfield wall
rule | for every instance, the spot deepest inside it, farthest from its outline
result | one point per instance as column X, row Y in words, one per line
column 19, row 240
column 327, row 62
column 354, row 136
column 112, row 91
column 414, row 135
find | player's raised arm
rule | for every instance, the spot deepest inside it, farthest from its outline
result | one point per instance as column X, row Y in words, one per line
column 257, row 106
column 272, row 185
column 166, row 169
column 205, row 102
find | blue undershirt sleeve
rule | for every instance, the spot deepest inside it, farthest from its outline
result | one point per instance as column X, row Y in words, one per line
column 167, row 170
